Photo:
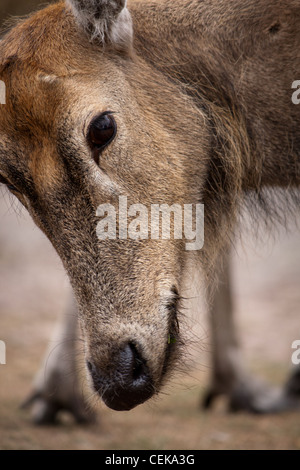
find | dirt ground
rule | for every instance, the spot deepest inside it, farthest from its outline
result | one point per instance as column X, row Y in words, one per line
column 33, row 294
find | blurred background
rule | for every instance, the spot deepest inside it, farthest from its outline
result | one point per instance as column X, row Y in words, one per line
column 34, row 292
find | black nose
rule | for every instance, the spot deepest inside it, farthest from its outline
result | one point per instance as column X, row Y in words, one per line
column 128, row 382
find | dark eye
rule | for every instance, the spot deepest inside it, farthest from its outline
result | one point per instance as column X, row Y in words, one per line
column 101, row 132
column 8, row 184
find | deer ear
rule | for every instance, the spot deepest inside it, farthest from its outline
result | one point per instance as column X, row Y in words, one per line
column 105, row 21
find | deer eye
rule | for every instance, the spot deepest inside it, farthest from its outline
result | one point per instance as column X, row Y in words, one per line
column 101, row 133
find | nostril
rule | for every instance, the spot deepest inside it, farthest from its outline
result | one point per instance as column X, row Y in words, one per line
column 127, row 382
column 90, row 366
column 139, row 368
column 132, row 367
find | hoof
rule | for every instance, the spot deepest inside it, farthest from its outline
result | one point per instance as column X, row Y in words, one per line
column 46, row 410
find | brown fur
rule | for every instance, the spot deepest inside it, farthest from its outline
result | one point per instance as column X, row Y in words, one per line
column 204, row 112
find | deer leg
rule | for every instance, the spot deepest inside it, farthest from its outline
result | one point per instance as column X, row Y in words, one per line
column 228, row 375
column 56, row 386
column 227, row 368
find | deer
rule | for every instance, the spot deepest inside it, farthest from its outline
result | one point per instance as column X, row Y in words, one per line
column 162, row 102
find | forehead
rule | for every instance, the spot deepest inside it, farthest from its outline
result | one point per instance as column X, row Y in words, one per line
column 48, row 39
column 42, row 70
column 48, row 79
